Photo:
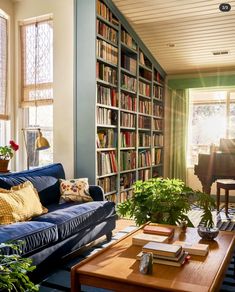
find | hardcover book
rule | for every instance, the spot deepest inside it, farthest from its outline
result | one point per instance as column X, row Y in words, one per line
column 162, row 249
column 168, row 261
column 160, row 230
column 142, row 238
column 194, row 248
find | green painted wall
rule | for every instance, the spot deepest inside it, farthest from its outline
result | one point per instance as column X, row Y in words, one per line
column 204, row 81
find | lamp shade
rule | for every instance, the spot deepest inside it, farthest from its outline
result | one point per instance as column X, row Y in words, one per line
column 41, row 142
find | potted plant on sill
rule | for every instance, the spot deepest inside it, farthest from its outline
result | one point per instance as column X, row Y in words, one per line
column 14, row 269
column 6, row 153
column 166, row 201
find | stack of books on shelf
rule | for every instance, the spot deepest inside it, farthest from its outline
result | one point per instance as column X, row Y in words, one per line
column 166, row 254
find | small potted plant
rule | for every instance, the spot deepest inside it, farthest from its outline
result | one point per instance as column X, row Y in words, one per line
column 6, row 153
column 166, row 201
column 14, row 269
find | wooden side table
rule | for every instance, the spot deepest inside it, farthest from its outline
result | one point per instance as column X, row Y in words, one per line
column 227, row 185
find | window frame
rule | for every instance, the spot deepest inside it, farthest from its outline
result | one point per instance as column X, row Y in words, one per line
column 211, row 101
column 4, row 114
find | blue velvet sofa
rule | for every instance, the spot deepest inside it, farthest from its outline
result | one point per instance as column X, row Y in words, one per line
column 66, row 227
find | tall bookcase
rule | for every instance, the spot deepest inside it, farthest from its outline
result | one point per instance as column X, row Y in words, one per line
column 119, row 102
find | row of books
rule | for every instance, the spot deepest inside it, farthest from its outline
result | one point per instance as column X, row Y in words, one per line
column 157, row 125
column 144, row 89
column 106, row 163
column 157, row 140
column 108, row 184
column 157, row 110
column 144, row 122
column 157, row 77
column 106, row 51
column 128, row 40
column 106, row 138
column 128, row 102
column 106, row 73
column 144, row 60
column 145, row 107
column 123, row 196
column 106, row 116
column 128, row 82
column 145, row 73
column 107, row 96
column 144, row 139
column 128, row 63
column 128, row 120
column 128, row 139
column 144, row 158
column 106, row 31
column 105, row 12
column 127, row 180
column 127, row 160
column 156, row 156
column 158, row 92
column 144, row 174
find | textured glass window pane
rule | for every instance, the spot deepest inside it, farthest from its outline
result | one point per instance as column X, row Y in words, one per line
column 37, row 61
column 3, row 67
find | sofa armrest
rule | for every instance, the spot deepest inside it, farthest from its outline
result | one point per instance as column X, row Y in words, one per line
column 96, row 193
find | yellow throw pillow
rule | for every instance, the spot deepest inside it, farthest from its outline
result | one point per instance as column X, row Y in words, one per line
column 21, row 203
column 75, row 190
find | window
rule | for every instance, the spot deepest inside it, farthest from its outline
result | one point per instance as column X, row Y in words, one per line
column 37, row 86
column 4, row 125
column 212, row 116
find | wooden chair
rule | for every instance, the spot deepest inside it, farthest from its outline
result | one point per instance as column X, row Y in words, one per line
column 227, row 185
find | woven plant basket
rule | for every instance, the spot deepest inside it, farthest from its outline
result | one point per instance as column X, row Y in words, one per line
column 4, row 165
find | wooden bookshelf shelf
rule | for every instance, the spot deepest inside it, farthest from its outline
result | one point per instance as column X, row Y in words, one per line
column 120, row 112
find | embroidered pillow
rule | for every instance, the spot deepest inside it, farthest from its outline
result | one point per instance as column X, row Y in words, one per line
column 75, row 190
column 20, row 203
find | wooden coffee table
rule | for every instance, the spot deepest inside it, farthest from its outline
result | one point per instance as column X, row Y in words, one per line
column 116, row 268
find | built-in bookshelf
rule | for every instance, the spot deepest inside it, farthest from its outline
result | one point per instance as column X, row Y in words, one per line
column 120, row 113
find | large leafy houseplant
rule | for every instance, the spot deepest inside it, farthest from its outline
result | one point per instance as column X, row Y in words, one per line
column 166, row 201
column 14, row 269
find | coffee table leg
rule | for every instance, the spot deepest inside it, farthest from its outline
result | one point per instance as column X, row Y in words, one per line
column 75, row 283
column 218, row 198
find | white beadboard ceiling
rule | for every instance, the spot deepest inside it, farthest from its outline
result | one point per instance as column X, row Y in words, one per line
column 182, row 34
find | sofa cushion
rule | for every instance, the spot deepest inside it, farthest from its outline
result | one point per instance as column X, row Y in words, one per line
column 45, row 179
column 70, row 218
column 75, row 190
column 21, row 203
column 34, row 234
column 47, row 186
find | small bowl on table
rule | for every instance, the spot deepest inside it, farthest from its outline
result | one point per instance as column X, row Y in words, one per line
column 207, row 233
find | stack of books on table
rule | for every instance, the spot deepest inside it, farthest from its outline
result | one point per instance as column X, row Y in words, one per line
column 142, row 238
column 194, row 248
column 164, row 253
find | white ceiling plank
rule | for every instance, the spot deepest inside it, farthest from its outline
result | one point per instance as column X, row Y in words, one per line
column 195, row 27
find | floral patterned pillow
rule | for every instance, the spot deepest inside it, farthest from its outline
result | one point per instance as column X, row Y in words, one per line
column 75, row 190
